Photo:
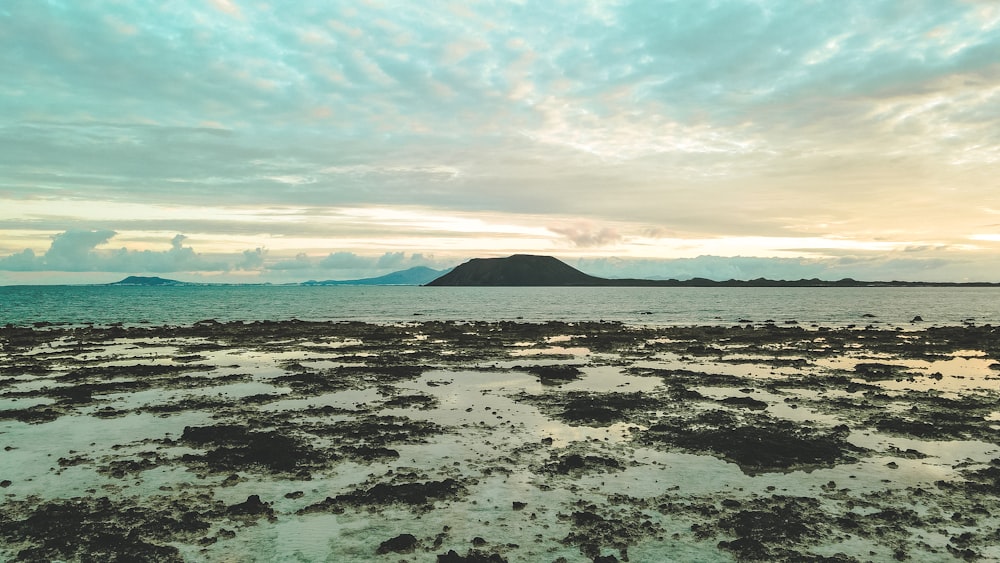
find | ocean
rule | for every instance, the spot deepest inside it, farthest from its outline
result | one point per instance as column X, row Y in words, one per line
column 834, row 307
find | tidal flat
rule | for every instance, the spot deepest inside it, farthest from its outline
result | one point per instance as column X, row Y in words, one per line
column 499, row 441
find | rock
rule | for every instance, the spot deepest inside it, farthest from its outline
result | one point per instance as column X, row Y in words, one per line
column 6, row 483
column 917, row 319
column 251, row 507
column 556, row 375
column 403, row 543
column 516, row 504
column 472, row 556
column 744, row 402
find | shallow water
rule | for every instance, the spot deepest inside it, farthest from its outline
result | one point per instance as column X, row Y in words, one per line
column 505, row 436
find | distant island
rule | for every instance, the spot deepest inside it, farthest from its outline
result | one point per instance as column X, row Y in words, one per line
column 531, row 270
column 149, row 281
column 419, row 275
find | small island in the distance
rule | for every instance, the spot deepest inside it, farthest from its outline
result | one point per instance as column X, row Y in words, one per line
column 526, row 270
column 150, row 281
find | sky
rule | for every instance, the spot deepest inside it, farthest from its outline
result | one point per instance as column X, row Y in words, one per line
column 256, row 141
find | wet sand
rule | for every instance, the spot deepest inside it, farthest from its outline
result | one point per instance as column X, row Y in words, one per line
column 436, row 441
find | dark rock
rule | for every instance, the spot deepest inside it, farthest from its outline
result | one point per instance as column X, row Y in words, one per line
column 879, row 372
column 369, row 453
column 95, row 530
column 417, row 401
column 472, row 556
column 238, row 447
column 756, row 443
column 251, row 507
column 403, row 543
column 576, row 463
column 602, row 408
column 382, row 494
column 745, row 402
column 557, row 374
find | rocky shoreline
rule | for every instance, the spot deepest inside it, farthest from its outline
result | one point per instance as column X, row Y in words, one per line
column 499, row 442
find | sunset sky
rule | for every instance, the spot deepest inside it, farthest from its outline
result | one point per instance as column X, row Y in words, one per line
column 244, row 140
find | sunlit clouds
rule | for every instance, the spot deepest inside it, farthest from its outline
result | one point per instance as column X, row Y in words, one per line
column 245, row 140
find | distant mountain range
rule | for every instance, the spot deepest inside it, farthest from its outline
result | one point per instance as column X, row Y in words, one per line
column 420, row 275
column 530, row 270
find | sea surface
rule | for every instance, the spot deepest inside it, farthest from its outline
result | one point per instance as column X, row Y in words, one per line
column 137, row 305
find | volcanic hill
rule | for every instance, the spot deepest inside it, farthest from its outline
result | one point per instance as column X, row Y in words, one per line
column 518, row 270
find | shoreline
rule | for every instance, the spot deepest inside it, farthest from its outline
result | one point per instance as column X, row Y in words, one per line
column 499, row 441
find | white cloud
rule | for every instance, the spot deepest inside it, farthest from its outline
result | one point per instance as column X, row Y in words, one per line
column 345, row 261
column 77, row 251
column 587, row 235
column 804, row 122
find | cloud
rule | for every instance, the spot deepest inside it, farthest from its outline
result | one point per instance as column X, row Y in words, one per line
column 227, row 7
column 391, row 260
column 350, row 261
column 76, row 251
column 300, row 262
column 252, row 259
column 586, row 235
column 344, row 261
column 711, row 267
column 805, row 115
column 865, row 267
column 24, row 261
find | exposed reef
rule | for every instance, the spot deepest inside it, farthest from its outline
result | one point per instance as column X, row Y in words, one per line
column 499, row 442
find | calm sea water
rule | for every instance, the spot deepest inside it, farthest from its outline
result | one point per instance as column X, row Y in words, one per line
column 23, row 305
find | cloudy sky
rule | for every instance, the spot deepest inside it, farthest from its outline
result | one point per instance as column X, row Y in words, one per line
column 252, row 140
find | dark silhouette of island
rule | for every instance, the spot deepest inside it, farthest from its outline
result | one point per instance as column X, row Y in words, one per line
column 419, row 275
column 517, row 270
column 531, row 270
column 149, row 281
